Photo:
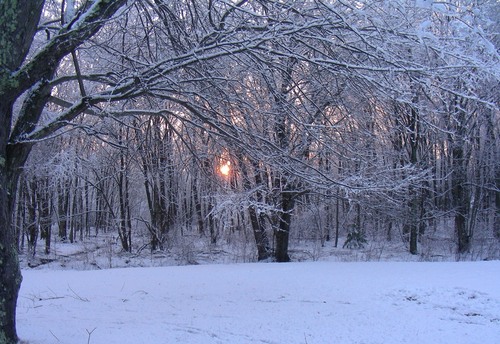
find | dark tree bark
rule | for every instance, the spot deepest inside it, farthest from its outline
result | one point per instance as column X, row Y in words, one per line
column 409, row 137
column 256, row 222
column 63, row 209
column 31, row 223
column 125, row 223
column 459, row 199
column 414, row 138
column 198, row 206
column 17, row 27
column 283, row 232
column 10, row 274
column 282, row 181
column 459, row 177
column 44, row 210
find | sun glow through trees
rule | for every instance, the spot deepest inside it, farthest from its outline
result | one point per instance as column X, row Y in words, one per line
column 225, row 169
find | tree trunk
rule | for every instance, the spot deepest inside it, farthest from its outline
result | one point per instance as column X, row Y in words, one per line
column 337, row 218
column 496, row 227
column 18, row 22
column 459, row 198
column 123, row 230
column 413, row 225
column 198, row 207
column 283, row 232
column 459, row 180
column 63, row 211
column 32, row 229
column 414, row 194
column 124, row 226
column 44, row 207
column 211, row 221
column 10, row 273
column 259, row 234
column 9, row 270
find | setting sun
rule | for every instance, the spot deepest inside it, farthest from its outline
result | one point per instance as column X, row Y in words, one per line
column 226, row 168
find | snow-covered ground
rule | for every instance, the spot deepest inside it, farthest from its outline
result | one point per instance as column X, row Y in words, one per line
column 307, row 303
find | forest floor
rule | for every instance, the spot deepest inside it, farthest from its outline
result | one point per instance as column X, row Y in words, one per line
column 104, row 252
column 377, row 294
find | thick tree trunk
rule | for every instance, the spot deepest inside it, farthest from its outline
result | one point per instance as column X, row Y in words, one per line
column 283, row 232
column 281, row 253
column 18, row 23
column 10, row 274
column 259, row 234
column 256, row 221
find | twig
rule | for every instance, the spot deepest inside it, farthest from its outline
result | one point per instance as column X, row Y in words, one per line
column 50, row 298
column 78, row 297
column 54, row 336
column 90, row 334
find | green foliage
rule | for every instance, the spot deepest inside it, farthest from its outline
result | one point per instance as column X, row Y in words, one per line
column 355, row 240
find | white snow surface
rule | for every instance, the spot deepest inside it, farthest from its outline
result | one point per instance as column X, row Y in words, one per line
column 307, row 303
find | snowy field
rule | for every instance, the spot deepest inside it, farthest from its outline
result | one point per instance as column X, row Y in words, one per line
column 307, row 303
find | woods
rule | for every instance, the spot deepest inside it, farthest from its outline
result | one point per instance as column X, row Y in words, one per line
column 357, row 120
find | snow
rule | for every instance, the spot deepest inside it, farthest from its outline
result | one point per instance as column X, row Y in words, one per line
column 313, row 302
column 424, row 3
